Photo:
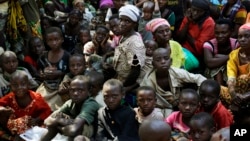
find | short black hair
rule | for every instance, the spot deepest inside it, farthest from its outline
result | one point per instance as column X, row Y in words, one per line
column 99, row 77
column 225, row 21
column 211, row 83
column 114, row 16
column 83, row 78
column 191, row 91
column 206, row 118
column 147, row 88
column 103, row 27
column 114, row 82
column 52, row 30
column 78, row 55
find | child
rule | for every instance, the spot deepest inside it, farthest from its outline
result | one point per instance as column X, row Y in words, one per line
column 36, row 49
column 146, row 100
column 210, row 102
column 77, row 115
column 52, row 66
column 150, row 46
column 179, row 120
column 116, row 121
column 221, row 135
column 22, row 108
column 9, row 65
column 114, row 27
column 202, row 127
column 76, row 67
column 96, row 82
column 150, row 10
column 168, row 81
column 84, row 37
column 100, row 44
column 154, row 130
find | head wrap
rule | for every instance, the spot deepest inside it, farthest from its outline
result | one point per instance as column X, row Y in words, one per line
column 130, row 11
column 202, row 4
column 155, row 23
column 106, row 4
column 245, row 26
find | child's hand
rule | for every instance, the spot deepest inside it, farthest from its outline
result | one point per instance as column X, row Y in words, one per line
column 66, row 85
column 6, row 110
column 95, row 41
column 34, row 121
column 105, row 40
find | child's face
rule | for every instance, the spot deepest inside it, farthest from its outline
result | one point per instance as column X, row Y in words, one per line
column 146, row 101
column 222, row 33
column 162, row 60
column 74, row 19
column 10, row 63
column 76, row 65
column 147, row 13
column 188, row 104
column 100, row 34
column 84, row 36
column 162, row 3
column 162, row 34
column 244, row 38
column 114, row 26
column 45, row 24
column 150, row 47
column 37, row 47
column 199, row 131
column 112, row 96
column 80, row 6
column 20, row 86
column 78, row 91
column 54, row 40
column 208, row 98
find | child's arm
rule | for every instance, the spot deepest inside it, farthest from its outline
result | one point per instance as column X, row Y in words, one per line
column 157, row 8
column 73, row 129
column 139, row 4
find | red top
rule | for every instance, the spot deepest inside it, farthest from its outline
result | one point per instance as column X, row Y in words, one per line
column 31, row 61
column 37, row 108
column 199, row 34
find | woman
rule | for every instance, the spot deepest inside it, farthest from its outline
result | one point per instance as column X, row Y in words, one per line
column 238, row 76
column 160, row 29
column 130, row 54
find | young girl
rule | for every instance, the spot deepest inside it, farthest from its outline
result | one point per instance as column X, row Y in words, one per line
column 84, row 37
column 76, row 67
column 36, row 49
column 146, row 100
column 53, row 65
column 22, row 108
column 179, row 120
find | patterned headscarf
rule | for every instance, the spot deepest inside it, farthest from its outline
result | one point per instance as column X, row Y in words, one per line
column 155, row 23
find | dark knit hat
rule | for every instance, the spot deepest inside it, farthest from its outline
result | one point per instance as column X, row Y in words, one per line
column 202, row 4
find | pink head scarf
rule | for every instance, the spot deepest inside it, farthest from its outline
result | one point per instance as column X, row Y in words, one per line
column 106, row 4
column 245, row 26
column 155, row 23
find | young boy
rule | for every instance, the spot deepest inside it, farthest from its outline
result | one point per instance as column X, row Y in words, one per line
column 22, row 108
column 116, row 121
column 154, row 130
column 150, row 11
column 146, row 100
column 168, row 81
column 76, row 67
column 9, row 65
column 179, row 120
column 202, row 127
column 96, row 82
column 76, row 115
column 210, row 102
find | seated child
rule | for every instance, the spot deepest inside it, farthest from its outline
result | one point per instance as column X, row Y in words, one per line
column 168, row 81
column 22, row 108
column 52, row 66
column 36, row 49
column 114, row 28
column 76, row 67
column 221, row 135
column 210, row 102
column 202, row 127
column 150, row 46
column 116, row 121
column 146, row 100
column 84, row 37
column 154, row 130
column 76, row 116
column 96, row 82
column 180, row 120
column 9, row 65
